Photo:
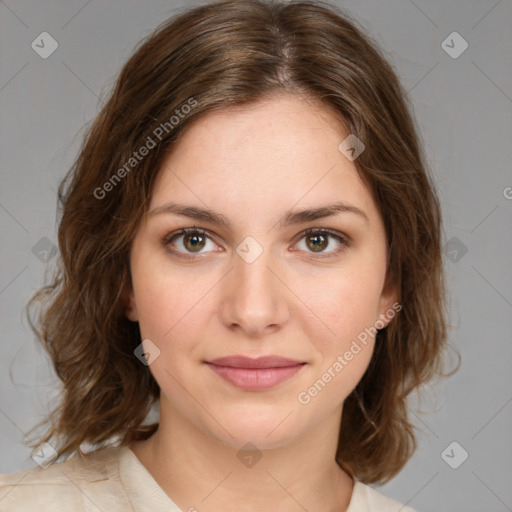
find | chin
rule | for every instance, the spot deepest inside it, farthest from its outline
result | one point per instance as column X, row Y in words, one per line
column 262, row 426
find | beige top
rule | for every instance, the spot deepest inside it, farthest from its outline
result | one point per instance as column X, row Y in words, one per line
column 113, row 479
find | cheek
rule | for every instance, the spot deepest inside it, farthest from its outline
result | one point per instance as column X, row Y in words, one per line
column 343, row 340
column 344, row 307
column 172, row 309
column 156, row 307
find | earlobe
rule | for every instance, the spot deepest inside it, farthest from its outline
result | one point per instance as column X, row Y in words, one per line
column 131, row 314
column 128, row 297
column 389, row 304
column 131, row 309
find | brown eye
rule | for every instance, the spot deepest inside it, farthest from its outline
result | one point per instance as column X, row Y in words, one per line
column 193, row 242
column 188, row 241
column 318, row 240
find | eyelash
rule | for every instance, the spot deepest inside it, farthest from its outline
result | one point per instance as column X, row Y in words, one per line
column 344, row 241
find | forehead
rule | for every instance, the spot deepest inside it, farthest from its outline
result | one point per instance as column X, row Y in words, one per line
column 261, row 158
column 276, row 123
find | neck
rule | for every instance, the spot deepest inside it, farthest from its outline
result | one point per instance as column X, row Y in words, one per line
column 199, row 472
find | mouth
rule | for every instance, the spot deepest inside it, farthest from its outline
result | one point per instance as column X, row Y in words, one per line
column 255, row 374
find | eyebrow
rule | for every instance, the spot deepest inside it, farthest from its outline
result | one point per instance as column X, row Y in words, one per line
column 291, row 217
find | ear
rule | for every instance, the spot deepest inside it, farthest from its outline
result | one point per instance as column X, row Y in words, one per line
column 128, row 301
column 388, row 302
column 131, row 308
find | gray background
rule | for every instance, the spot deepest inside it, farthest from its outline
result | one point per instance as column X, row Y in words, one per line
column 463, row 107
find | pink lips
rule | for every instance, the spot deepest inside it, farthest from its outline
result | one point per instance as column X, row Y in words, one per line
column 255, row 374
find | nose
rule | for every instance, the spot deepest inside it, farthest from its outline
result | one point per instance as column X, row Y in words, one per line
column 254, row 298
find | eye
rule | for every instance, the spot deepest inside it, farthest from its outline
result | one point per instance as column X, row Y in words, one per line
column 193, row 240
column 317, row 240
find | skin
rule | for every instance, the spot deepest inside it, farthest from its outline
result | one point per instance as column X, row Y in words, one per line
column 252, row 164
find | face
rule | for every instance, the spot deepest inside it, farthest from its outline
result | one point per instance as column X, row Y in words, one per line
column 260, row 320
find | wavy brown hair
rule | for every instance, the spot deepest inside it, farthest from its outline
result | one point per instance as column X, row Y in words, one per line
column 234, row 53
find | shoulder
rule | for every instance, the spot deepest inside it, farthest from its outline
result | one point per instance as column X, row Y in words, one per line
column 83, row 482
column 367, row 499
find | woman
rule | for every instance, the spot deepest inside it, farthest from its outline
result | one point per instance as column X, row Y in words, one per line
column 250, row 241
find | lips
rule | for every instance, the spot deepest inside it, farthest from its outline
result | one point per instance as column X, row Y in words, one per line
column 259, row 362
column 255, row 374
